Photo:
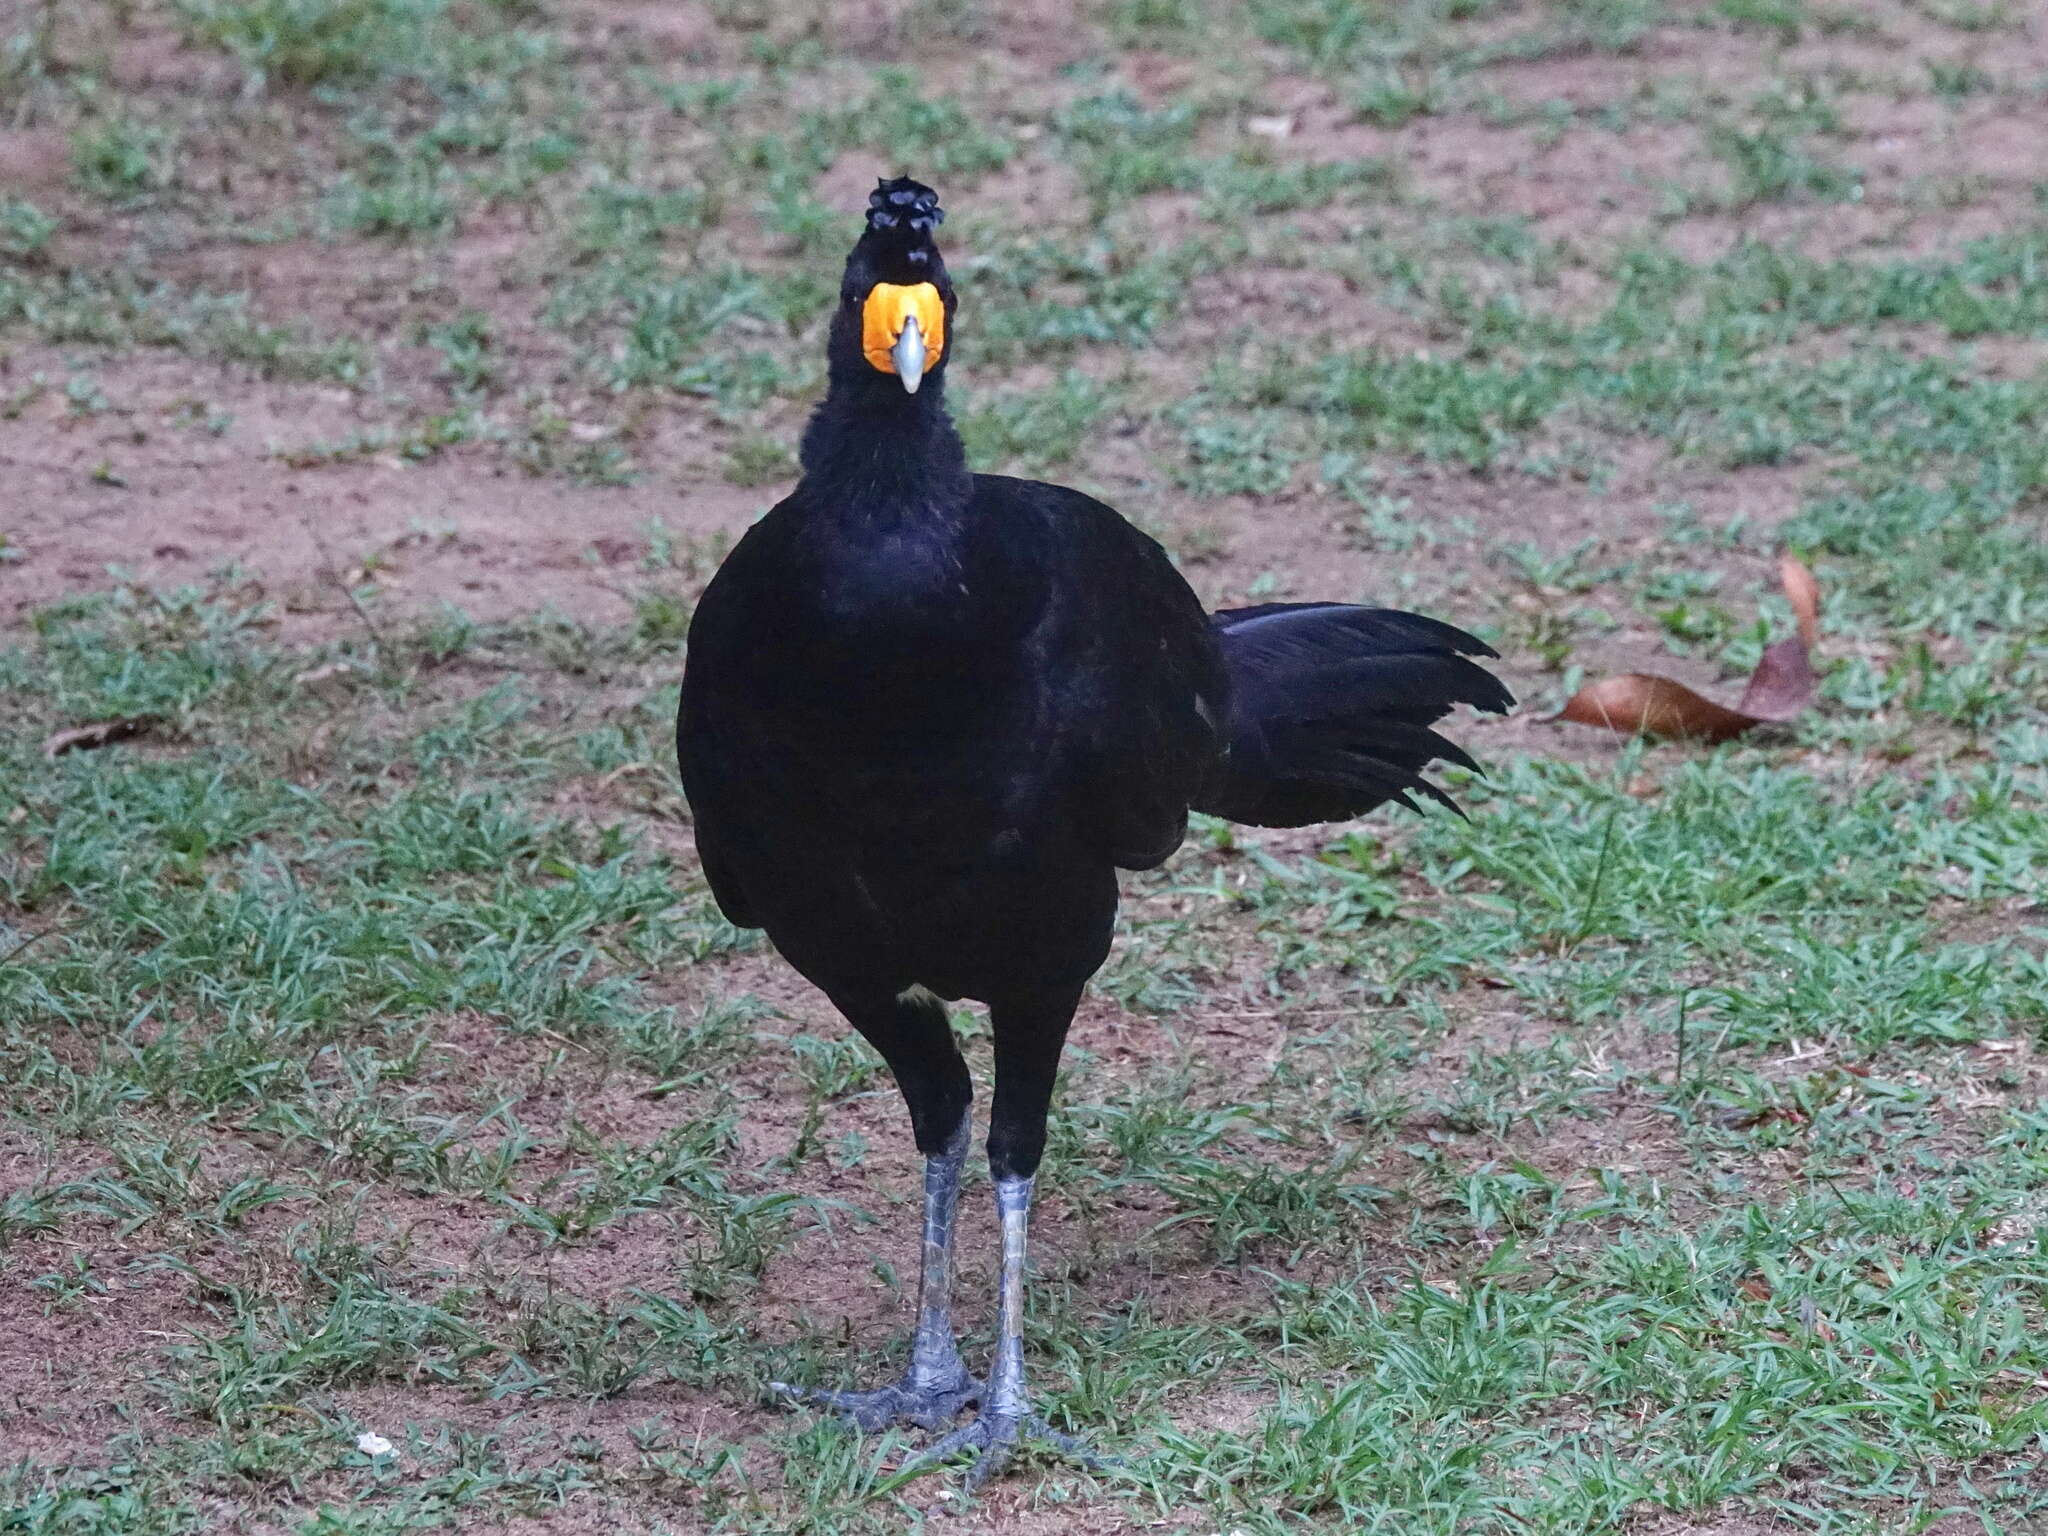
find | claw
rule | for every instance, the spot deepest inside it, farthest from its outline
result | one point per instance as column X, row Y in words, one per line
column 928, row 1407
column 992, row 1437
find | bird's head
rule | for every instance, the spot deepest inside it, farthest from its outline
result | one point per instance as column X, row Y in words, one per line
column 896, row 303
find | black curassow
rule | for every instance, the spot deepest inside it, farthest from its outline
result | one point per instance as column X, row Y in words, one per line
column 928, row 714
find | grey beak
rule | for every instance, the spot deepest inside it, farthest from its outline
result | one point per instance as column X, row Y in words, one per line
column 908, row 354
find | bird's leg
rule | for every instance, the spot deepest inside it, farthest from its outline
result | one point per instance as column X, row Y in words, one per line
column 1006, row 1414
column 935, row 1364
column 936, row 1386
column 917, row 1042
column 1026, row 1060
column 1006, row 1395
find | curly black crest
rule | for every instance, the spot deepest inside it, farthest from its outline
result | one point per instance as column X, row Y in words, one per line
column 904, row 205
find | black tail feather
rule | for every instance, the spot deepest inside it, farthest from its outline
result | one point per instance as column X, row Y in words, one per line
column 1331, row 708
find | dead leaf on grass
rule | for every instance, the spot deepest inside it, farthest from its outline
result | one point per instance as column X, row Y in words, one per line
column 1803, row 593
column 1641, row 703
column 101, row 733
column 1783, row 685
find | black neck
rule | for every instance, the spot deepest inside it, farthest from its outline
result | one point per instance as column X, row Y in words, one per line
column 882, row 452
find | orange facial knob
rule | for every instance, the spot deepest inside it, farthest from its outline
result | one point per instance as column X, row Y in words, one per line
column 888, row 306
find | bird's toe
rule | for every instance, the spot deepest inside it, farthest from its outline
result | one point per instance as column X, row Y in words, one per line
column 989, row 1436
column 992, row 1436
column 927, row 1407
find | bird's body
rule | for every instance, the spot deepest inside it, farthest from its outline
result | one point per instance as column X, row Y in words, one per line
column 926, row 717
column 964, row 741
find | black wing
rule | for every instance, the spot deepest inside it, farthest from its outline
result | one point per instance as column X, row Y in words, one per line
column 716, row 778
column 1134, row 686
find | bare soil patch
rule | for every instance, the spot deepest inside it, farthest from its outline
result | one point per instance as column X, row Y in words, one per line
column 160, row 468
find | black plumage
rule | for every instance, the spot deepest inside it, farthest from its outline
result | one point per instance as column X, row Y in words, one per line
column 928, row 714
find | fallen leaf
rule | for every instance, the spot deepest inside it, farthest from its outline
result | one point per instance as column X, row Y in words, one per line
column 1782, row 685
column 1781, row 688
column 101, row 733
column 1803, row 593
column 1642, row 703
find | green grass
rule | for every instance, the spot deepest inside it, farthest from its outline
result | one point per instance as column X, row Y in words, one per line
column 1658, row 1149
column 119, row 158
column 244, row 945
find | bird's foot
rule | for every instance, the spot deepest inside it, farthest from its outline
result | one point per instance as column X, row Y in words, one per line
column 929, row 1404
column 992, row 1434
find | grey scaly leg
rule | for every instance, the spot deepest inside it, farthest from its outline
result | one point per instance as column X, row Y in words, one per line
column 1007, row 1396
column 1006, row 1413
column 937, row 1385
column 1029, row 1028
column 935, row 1364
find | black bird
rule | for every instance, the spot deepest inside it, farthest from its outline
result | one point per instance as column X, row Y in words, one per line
column 928, row 714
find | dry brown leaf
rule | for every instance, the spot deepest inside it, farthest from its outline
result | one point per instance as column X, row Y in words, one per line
column 1639, row 702
column 1803, row 593
column 1642, row 703
column 101, row 733
column 1782, row 685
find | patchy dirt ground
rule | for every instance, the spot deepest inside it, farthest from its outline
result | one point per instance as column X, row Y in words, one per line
column 186, row 464
column 491, row 312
